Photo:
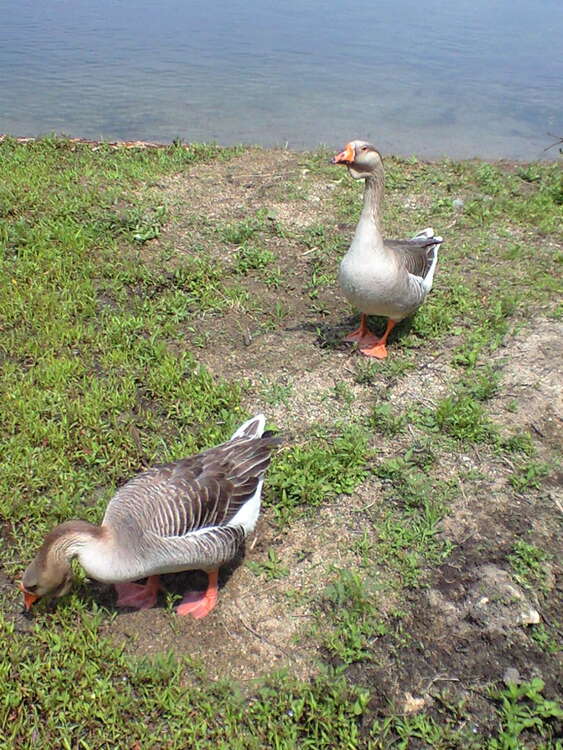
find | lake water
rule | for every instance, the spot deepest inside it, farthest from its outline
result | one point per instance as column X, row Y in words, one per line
column 466, row 78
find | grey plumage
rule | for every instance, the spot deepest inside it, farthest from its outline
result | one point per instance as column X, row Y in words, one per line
column 189, row 514
column 181, row 514
column 417, row 254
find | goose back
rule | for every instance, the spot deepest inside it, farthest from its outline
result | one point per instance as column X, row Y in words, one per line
column 196, row 493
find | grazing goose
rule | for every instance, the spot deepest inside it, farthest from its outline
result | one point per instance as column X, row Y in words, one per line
column 382, row 277
column 186, row 515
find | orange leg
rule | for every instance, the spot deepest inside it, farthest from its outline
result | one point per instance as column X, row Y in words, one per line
column 138, row 595
column 198, row 604
column 379, row 350
column 361, row 332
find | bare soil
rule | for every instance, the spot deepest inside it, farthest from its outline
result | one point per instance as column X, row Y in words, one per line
column 470, row 623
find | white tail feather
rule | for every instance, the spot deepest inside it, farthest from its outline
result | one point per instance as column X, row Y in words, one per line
column 252, row 428
column 429, row 278
column 428, row 232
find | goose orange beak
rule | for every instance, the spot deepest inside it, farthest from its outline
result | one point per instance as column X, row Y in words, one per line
column 344, row 157
column 28, row 597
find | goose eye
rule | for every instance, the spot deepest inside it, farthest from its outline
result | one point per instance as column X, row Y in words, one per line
column 31, row 589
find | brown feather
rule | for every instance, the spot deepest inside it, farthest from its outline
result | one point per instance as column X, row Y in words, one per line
column 202, row 491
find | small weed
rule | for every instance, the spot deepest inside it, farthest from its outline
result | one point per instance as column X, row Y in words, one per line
column 366, row 371
column 529, row 174
column 343, row 393
column 278, row 393
column 241, row 231
column 279, row 311
column 398, row 367
column 363, row 547
column 464, row 418
column 519, row 442
column 249, row 258
column 274, row 278
column 544, row 639
column 271, row 569
column 528, row 565
column 481, row 383
column 421, row 454
column 524, row 708
column 386, row 421
column 529, row 475
column 318, row 279
column 148, row 227
column 349, row 618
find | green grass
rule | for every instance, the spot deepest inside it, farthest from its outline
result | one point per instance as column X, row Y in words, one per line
column 103, row 331
column 416, row 502
column 308, row 474
column 92, row 388
column 76, row 689
column 528, row 565
column 348, row 619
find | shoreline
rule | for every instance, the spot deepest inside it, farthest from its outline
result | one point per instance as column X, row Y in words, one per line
column 141, row 144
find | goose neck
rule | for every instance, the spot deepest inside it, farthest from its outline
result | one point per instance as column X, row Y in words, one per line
column 69, row 539
column 373, row 198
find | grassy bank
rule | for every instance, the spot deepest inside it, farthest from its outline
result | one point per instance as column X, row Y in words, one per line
column 407, row 556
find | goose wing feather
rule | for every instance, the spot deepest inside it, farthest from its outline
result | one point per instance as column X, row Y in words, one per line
column 193, row 494
column 417, row 254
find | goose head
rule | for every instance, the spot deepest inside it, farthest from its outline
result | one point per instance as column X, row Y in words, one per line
column 362, row 159
column 44, row 580
column 50, row 572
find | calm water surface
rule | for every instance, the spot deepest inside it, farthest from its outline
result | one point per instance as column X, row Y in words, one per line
column 473, row 77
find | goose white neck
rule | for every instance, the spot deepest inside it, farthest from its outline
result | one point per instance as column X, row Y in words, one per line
column 373, row 197
column 368, row 235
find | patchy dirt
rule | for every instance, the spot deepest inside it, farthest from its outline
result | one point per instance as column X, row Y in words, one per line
column 531, row 396
column 472, row 623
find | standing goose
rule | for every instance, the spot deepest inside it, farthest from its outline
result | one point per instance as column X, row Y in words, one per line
column 382, row 277
column 191, row 514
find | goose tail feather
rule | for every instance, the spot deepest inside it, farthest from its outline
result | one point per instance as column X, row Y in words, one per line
column 252, row 428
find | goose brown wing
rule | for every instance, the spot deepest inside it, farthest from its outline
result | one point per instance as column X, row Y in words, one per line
column 415, row 255
column 200, row 492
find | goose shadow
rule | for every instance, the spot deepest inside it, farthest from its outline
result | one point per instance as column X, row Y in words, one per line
column 94, row 593
column 332, row 335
